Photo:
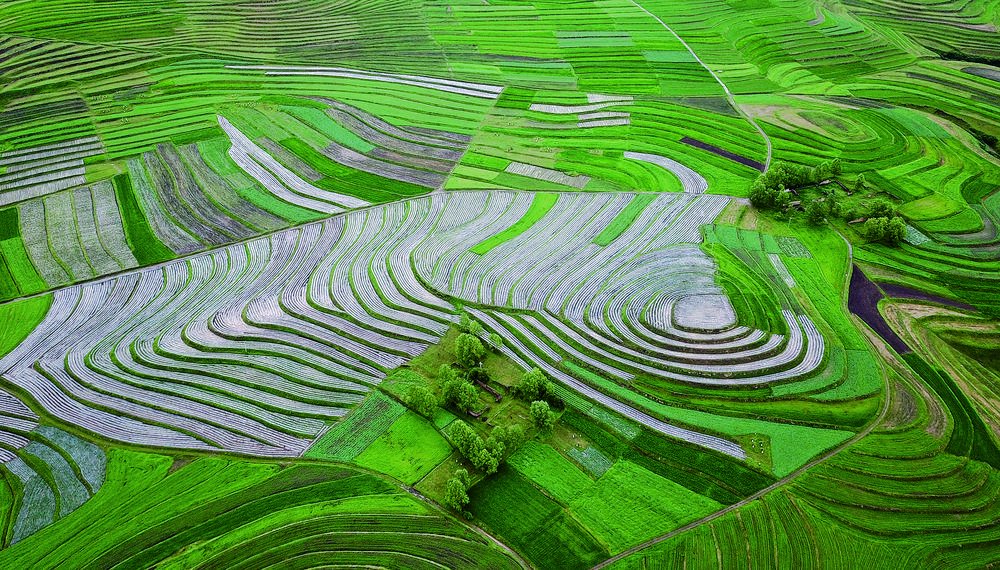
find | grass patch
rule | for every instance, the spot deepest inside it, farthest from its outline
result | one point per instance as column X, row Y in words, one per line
column 410, row 449
column 548, row 469
column 348, row 438
column 20, row 318
column 540, row 205
column 624, row 219
column 534, row 524
column 630, row 504
column 148, row 248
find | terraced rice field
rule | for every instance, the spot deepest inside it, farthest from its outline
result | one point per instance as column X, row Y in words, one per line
column 247, row 251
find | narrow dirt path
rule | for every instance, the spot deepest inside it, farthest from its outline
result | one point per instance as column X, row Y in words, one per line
column 729, row 94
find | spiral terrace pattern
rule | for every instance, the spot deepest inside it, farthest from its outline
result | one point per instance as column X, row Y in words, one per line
column 254, row 347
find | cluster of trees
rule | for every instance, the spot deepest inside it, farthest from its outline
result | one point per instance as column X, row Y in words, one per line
column 536, row 388
column 884, row 224
column 770, row 190
column 486, row 455
column 458, row 391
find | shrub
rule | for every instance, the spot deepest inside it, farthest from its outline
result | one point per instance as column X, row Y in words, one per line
column 478, row 375
column 540, row 414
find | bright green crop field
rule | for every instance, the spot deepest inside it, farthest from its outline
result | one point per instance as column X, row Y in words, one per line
column 500, row 284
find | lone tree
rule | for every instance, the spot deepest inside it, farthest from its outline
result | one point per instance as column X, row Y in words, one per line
column 860, row 183
column 540, row 414
column 464, row 321
column 421, row 400
column 468, row 350
column 534, row 385
column 456, row 493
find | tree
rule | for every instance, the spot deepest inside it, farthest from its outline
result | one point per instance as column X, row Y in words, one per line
column 822, row 171
column 836, row 168
column 421, row 400
column 458, row 393
column 462, row 435
column 464, row 321
column 446, row 373
column 534, row 385
column 895, row 232
column 468, row 350
column 472, row 447
column 833, row 205
column 888, row 230
column 782, row 199
column 496, row 341
column 475, row 328
column 860, row 183
column 816, row 212
column 881, row 208
column 540, row 414
column 488, row 458
column 456, row 493
column 763, row 197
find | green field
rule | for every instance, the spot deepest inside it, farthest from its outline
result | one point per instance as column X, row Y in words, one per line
column 466, row 284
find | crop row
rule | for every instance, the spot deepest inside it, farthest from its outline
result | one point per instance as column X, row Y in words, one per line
column 75, row 235
column 42, row 170
column 56, row 472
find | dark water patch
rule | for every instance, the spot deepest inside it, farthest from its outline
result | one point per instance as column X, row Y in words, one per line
column 862, row 300
column 724, row 153
column 903, row 292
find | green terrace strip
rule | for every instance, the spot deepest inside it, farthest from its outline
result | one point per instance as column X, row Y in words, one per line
column 623, row 220
column 540, row 205
column 20, row 318
column 147, row 247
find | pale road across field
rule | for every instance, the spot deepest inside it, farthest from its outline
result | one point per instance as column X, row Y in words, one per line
column 729, row 95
